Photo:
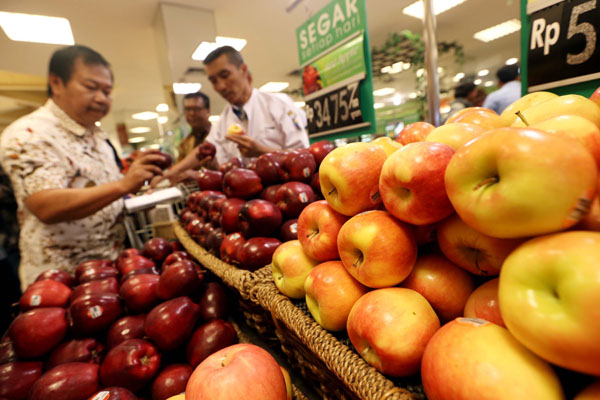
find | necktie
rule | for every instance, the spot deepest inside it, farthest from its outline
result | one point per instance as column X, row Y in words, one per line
column 240, row 113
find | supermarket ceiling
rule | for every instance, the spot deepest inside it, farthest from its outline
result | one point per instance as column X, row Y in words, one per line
column 149, row 44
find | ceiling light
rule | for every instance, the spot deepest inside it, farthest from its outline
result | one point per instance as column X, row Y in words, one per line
column 383, row 91
column 140, row 129
column 498, row 31
column 214, row 118
column 36, row 28
column 483, row 72
column 413, row 95
column 163, row 120
column 205, row 48
column 162, row 107
column 397, row 100
column 138, row 139
column 512, row 61
column 274, row 86
column 145, row 116
column 299, row 104
column 488, row 83
column 98, row 123
column 378, row 105
column 186, row 87
column 477, row 81
column 458, row 77
column 439, row 6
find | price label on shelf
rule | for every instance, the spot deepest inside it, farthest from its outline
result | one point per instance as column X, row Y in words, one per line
column 336, row 109
column 563, row 44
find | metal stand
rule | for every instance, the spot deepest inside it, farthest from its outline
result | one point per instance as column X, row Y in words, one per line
column 431, row 64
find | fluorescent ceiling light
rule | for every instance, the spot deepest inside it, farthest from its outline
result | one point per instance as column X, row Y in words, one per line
column 512, row 61
column 145, row 116
column 383, row 91
column 458, row 77
column 378, row 105
column 138, row 139
column 205, row 48
column 274, row 86
column 439, row 6
column 214, row 118
column 413, row 95
column 98, row 123
column 163, row 119
column 483, row 72
column 498, row 31
column 488, row 83
column 477, row 81
column 36, row 28
column 140, row 129
column 162, row 107
column 186, row 87
column 299, row 104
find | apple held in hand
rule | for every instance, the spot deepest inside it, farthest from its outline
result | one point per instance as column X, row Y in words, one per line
column 171, row 381
column 390, row 328
column 455, row 135
column 483, row 303
column 16, row 378
column 34, row 333
column 71, row 381
column 171, row 323
column 470, row 357
column 555, row 278
column 445, row 286
column 318, row 228
column 412, row 183
column 518, row 182
column 208, row 339
column 46, row 293
column 241, row 371
column 377, row 249
column 330, row 294
column 350, row 177
column 290, row 267
column 416, row 132
column 131, row 364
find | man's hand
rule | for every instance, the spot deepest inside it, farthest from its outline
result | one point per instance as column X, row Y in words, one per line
column 143, row 169
column 247, row 146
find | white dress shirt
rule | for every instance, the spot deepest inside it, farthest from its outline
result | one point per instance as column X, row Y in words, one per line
column 503, row 97
column 273, row 120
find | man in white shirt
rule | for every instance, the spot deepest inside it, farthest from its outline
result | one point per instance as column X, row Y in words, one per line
column 509, row 92
column 269, row 121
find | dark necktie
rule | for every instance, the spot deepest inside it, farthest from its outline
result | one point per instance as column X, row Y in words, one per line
column 240, row 113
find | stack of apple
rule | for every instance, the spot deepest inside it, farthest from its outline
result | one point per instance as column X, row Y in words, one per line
column 489, row 217
column 242, row 214
column 137, row 326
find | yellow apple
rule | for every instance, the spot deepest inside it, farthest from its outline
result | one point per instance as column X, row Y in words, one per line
column 415, row 132
column 452, row 119
column 485, row 119
column 472, row 359
column 318, row 228
column 387, row 144
column 483, row 303
column 509, row 115
column 290, row 267
column 177, row 397
column 549, row 294
column 571, row 104
column 235, row 129
column 455, row 134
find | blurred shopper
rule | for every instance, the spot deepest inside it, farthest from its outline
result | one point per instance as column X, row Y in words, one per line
column 465, row 93
column 509, row 92
column 269, row 121
column 196, row 108
column 67, row 185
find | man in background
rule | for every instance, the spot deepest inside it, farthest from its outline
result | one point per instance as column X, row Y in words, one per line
column 196, row 108
column 509, row 92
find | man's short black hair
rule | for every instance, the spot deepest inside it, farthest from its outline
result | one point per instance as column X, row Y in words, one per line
column 199, row 95
column 508, row 73
column 463, row 89
column 63, row 60
column 234, row 56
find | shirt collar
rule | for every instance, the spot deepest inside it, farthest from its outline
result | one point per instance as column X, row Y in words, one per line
column 70, row 124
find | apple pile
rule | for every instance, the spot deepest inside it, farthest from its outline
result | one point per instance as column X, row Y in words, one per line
column 129, row 328
column 468, row 245
column 242, row 214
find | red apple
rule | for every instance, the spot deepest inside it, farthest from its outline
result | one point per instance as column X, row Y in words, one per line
column 57, row 275
column 176, row 246
column 113, row 393
column 380, row 318
column 203, row 232
column 76, row 350
column 131, row 364
column 320, row 149
column 206, row 149
column 229, row 214
column 157, row 249
column 34, row 333
column 181, row 278
column 377, row 249
column 209, row 338
column 209, row 180
column 92, row 263
column 416, row 132
column 139, row 293
column 93, row 313
column 214, row 210
column 242, row 183
column 269, row 193
column 289, row 230
column 129, row 327
column 136, row 262
column 108, row 285
column 166, row 161
column 425, row 234
column 177, row 256
column 267, row 168
column 483, row 303
column 7, row 350
column 445, row 286
column 46, row 293
column 259, row 218
column 98, row 273
column 71, row 381
column 233, row 163
column 297, row 166
column 205, row 204
column 214, row 240
column 412, row 183
column 213, row 302
column 16, row 378
column 171, row 323
column 242, row 371
column 171, row 381
column 292, row 197
column 318, row 228
column 126, row 254
column 229, row 247
column 143, row 271
column 256, row 252
column 315, row 184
